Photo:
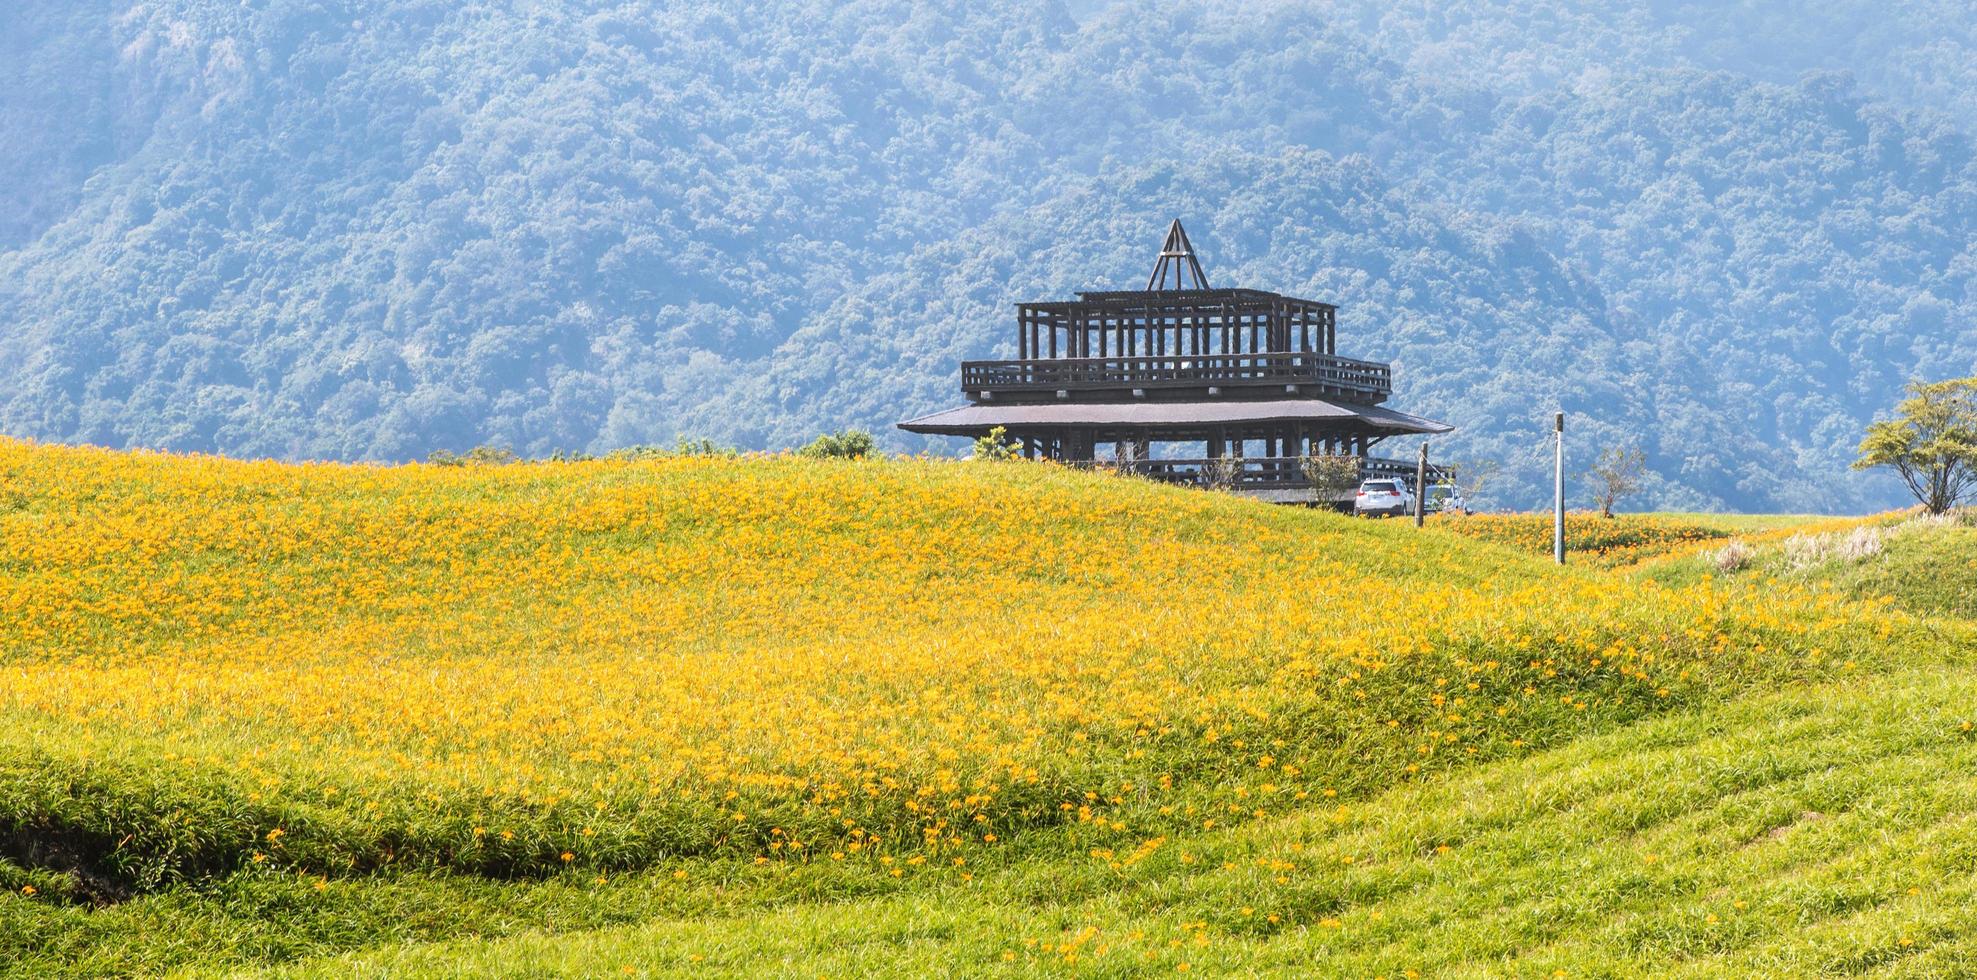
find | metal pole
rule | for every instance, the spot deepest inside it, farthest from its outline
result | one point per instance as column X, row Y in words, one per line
column 1558, row 490
column 1421, row 485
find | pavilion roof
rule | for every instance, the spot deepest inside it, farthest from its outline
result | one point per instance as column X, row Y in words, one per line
column 972, row 419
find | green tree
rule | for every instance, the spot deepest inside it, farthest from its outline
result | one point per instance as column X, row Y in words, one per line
column 1616, row 474
column 477, row 456
column 848, row 444
column 1931, row 442
column 1331, row 474
column 1223, row 473
column 996, row 445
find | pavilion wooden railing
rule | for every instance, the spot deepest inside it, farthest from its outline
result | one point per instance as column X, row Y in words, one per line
column 1325, row 371
column 1262, row 472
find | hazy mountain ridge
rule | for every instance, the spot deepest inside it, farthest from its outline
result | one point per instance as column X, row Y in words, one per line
column 370, row 230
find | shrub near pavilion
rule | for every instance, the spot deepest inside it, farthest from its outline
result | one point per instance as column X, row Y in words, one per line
column 609, row 664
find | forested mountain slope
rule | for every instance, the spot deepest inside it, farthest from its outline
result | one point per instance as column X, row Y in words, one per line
column 369, row 230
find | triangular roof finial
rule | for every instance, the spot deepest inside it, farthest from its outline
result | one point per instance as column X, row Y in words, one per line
column 1178, row 252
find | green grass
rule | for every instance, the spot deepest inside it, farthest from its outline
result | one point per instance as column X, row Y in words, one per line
column 1930, row 572
column 1529, row 768
column 1924, row 567
column 1823, row 831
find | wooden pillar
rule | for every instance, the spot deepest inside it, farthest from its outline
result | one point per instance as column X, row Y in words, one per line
column 1421, row 485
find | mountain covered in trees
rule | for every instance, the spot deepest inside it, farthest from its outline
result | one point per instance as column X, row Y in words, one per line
column 1726, row 232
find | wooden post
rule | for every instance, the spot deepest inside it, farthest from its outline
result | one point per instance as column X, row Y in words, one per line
column 1558, row 491
column 1421, row 486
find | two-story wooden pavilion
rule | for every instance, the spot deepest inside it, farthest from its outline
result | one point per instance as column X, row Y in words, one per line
column 1227, row 372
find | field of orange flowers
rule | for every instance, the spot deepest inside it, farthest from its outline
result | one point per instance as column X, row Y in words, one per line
column 1608, row 542
column 212, row 665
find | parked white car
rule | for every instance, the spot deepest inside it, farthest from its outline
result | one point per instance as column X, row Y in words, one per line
column 1446, row 498
column 1383, row 498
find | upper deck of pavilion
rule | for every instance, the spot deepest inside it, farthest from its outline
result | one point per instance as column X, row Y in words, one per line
column 1187, row 342
column 1270, row 375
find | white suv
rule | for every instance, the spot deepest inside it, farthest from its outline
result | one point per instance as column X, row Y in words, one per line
column 1446, row 498
column 1385, row 498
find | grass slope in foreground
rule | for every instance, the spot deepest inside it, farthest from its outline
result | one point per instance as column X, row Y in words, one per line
column 253, row 712
column 1824, row 831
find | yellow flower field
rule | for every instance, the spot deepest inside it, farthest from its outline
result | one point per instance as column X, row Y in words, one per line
column 610, row 664
column 1607, row 542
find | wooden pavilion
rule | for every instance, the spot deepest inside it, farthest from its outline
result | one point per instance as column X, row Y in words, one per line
column 1223, row 372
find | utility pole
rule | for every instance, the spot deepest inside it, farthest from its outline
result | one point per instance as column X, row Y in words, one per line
column 1558, row 489
column 1421, row 485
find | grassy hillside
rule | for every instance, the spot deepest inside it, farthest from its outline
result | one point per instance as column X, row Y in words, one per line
column 1819, row 832
column 276, row 712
